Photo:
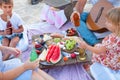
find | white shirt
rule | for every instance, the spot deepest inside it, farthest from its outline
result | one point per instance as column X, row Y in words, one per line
column 115, row 3
column 15, row 20
column 1, row 63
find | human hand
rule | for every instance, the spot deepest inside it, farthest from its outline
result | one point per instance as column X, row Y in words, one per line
column 13, row 30
column 72, row 16
column 31, row 65
column 7, row 31
column 10, row 50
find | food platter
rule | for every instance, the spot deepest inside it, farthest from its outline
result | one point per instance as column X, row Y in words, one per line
column 46, row 63
column 64, row 43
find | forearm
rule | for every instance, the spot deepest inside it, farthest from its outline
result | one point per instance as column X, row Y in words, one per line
column 80, row 5
column 19, row 30
column 96, row 50
column 14, row 73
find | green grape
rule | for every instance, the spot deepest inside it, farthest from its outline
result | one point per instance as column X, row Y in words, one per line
column 70, row 44
column 67, row 41
column 56, row 40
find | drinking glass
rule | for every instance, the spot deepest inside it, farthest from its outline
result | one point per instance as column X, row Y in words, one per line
column 82, row 54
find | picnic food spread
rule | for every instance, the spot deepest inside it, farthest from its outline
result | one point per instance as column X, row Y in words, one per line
column 51, row 50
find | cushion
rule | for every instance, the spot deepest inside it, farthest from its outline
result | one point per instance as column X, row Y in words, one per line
column 24, row 41
column 53, row 17
column 100, row 72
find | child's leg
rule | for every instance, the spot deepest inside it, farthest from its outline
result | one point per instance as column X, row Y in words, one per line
column 5, row 42
column 36, row 76
column 14, row 41
column 45, row 75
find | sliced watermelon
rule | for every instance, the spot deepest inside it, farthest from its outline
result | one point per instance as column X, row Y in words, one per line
column 56, row 57
column 50, row 53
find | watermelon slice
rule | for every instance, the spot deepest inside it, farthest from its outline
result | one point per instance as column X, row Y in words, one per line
column 56, row 57
column 50, row 53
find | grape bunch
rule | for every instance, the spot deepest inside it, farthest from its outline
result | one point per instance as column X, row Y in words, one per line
column 56, row 40
column 70, row 44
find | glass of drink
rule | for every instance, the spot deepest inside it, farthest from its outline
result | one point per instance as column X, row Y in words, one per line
column 9, row 25
column 82, row 54
column 76, row 20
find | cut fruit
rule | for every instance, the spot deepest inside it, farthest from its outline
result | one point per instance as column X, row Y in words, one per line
column 54, row 54
column 50, row 53
column 56, row 57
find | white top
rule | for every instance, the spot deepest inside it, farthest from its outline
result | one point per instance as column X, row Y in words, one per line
column 115, row 3
column 1, row 63
column 15, row 20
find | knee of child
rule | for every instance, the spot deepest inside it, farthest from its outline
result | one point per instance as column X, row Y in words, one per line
column 14, row 41
column 5, row 42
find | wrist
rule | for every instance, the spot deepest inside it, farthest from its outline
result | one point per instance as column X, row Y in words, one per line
column 86, row 46
column 25, row 67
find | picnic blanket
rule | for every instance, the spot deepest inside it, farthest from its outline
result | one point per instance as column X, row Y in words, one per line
column 40, row 28
column 68, row 72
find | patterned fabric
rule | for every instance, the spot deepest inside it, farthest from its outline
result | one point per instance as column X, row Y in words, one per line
column 111, row 58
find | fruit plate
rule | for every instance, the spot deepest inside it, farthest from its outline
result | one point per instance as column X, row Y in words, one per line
column 70, row 51
column 49, row 42
column 46, row 63
column 62, row 44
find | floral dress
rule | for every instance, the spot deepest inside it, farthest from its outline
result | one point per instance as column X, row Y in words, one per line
column 111, row 58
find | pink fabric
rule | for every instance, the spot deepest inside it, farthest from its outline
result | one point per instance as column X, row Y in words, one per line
column 53, row 17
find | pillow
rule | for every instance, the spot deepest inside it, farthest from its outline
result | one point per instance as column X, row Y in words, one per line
column 86, row 34
column 60, row 19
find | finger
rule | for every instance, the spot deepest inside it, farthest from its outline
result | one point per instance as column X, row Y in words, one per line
column 17, row 55
column 18, row 51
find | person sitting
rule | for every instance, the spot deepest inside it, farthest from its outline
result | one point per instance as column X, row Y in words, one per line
column 11, row 26
column 67, row 13
column 106, row 55
column 14, row 69
column 89, row 36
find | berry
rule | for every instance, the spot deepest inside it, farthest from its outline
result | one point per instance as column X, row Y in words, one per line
column 73, row 55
